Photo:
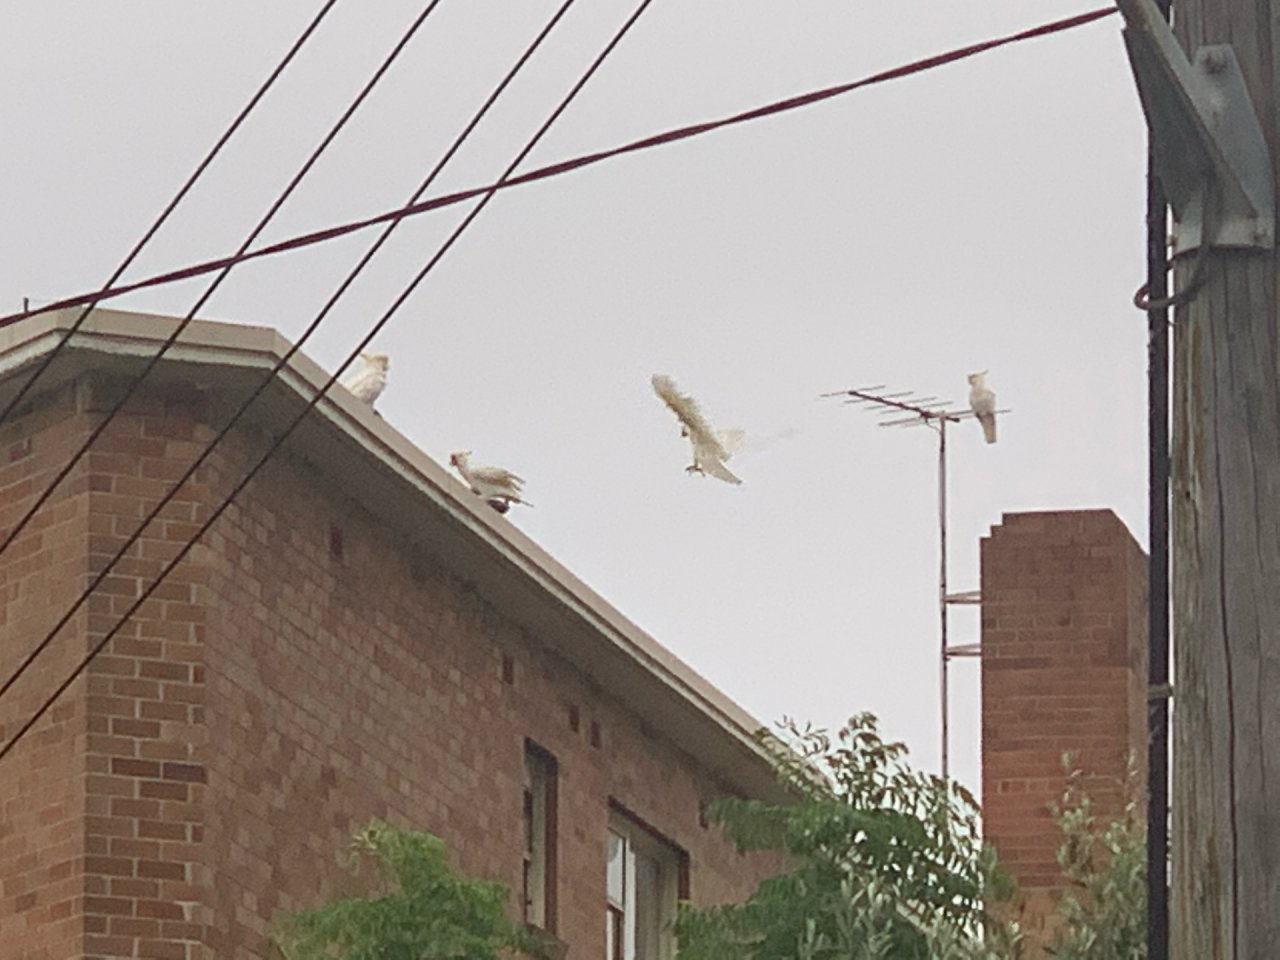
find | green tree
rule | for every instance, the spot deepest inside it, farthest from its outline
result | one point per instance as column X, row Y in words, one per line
column 882, row 862
column 427, row 912
column 1104, row 915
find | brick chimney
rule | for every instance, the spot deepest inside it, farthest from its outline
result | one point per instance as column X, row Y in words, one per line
column 1063, row 669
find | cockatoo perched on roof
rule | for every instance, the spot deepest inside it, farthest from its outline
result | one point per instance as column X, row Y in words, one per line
column 370, row 380
column 711, row 448
column 499, row 487
column 983, row 404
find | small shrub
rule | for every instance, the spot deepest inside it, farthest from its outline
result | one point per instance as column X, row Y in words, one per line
column 427, row 912
column 1104, row 914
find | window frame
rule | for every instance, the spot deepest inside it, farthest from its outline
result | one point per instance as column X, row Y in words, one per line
column 539, row 816
column 671, row 862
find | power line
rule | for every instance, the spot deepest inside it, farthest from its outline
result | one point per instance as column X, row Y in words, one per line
column 342, row 288
column 1157, row 805
column 311, row 404
column 262, row 224
column 396, row 216
column 567, row 166
column 306, row 335
column 168, row 210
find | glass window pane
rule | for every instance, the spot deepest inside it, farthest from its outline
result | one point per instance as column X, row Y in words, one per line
column 616, row 885
column 539, row 830
column 648, row 907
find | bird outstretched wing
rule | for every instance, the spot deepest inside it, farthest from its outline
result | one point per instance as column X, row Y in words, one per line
column 696, row 427
column 681, row 404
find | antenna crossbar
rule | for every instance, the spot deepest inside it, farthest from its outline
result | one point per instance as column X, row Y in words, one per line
column 904, row 401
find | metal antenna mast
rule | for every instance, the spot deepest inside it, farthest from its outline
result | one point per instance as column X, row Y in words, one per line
column 905, row 409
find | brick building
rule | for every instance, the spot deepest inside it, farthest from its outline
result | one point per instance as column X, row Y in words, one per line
column 357, row 636
column 1064, row 668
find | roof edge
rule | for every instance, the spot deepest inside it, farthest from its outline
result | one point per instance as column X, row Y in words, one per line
column 128, row 337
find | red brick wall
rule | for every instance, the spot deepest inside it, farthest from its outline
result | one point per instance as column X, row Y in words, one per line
column 269, row 699
column 371, row 684
column 1063, row 669
column 145, row 792
column 42, row 781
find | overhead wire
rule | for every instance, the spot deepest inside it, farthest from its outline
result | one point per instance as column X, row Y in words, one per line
column 223, row 272
column 1158, row 464
column 680, row 133
column 394, row 217
column 169, row 208
column 575, row 163
column 43, row 498
column 276, row 444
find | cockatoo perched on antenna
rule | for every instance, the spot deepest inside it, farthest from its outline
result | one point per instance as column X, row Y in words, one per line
column 367, row 383
column 499, row 487
column 711, row 448
column 983, row 404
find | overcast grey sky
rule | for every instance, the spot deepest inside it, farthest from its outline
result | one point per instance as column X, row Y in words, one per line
column 988, row 214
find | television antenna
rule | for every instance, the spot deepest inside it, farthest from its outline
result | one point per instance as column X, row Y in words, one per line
column 906, row 409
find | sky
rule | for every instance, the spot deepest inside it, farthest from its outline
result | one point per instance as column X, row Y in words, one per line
column 985, row 215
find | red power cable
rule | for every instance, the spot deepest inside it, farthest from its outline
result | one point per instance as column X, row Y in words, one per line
column 565, row 166
column 101, row 644
column 168, row 210
column 223, row 271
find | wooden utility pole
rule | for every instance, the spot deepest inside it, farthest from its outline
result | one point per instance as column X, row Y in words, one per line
column 1215, row 152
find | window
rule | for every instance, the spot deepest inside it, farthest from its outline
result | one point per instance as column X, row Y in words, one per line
column 644, row 875
column 539, row 894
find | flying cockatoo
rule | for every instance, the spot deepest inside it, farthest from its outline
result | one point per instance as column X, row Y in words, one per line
column 367, row 383
column 711, row 448
column 983, row 404
column 499, row 487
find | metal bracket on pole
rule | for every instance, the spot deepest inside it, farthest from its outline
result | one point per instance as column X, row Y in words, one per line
column 1209, row 149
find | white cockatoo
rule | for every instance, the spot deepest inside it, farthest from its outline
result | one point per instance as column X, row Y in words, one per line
column 711, row 448
column 367, row 383
column 499, row 487
column 983, row 404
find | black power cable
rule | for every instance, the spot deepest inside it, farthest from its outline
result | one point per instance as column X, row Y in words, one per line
column 1158, row 570
column 311, row 329
column 262, row 224
column 167, row 211
column 311, row 404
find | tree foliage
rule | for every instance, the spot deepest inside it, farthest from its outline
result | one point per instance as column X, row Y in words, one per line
column 1104, row 916
column 883, row 862
column 426, row 913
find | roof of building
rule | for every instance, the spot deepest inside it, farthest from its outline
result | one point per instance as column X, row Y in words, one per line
column 397, row 482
